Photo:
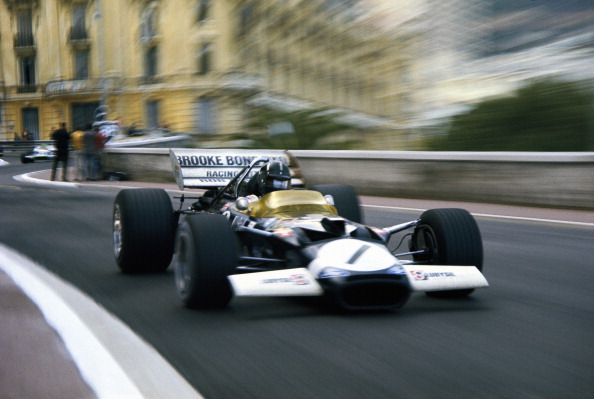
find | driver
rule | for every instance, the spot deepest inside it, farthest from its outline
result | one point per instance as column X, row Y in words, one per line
column 273, row 176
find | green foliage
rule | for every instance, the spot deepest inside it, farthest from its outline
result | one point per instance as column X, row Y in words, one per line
column 312, row 129
column 543, row 116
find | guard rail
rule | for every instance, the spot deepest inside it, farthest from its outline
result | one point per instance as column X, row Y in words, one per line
column 22, row 145
column 562, row 180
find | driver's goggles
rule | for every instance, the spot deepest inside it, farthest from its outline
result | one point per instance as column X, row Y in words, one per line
column 278, row 184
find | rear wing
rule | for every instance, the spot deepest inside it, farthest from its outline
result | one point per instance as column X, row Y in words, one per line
column 205, row 168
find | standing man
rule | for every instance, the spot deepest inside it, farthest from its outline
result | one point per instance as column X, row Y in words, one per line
column 61, row 139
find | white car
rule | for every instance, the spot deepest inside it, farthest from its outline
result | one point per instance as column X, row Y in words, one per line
column 296, row 242
column 43, row 152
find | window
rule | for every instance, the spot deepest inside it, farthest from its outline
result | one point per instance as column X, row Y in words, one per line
column 204, row 10
column 150, row 66
column 81, row 64
column 205, row 116
column 152, row 114
column 205, row 59
column 245, row 19
column 27, row 66
column 149, row 23
column 30, row 118
column 25, row 28
column 79, row 30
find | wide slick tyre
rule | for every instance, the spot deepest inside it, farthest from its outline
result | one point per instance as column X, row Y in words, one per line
column 206, row 252
column 143, row 230
column 346, row 200
column 449, row 236
column 24, row 158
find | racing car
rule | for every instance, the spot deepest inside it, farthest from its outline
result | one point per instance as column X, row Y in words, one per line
column 43, row 152
column 226, row 242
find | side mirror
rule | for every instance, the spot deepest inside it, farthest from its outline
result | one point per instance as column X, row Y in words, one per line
column 242, row 204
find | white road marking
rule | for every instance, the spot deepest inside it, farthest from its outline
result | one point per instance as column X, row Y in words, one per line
column 112, row 359
column 485, row 215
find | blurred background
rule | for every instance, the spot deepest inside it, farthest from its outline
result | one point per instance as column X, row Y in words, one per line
column 477, row 75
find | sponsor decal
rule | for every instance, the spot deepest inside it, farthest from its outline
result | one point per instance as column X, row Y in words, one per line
column 221, row 160
column 420, row 275
column 294, row 279
column 221, row 173
column 204, row 180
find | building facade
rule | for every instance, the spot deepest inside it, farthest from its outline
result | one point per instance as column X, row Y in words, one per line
column 195, row 66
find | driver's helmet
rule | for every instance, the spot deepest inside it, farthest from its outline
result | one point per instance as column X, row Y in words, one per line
column 274, row 176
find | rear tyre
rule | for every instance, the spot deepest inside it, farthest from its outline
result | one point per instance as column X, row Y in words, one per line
column 346, row 200
column 206, row 253
column 143, row 230
column 450, row 236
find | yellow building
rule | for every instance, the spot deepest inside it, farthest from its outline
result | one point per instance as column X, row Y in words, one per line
column 195, row 66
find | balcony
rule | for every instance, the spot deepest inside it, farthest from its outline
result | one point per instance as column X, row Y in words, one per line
column 24, row 44
column 150, row 80
column 78, row 38
column 240, row 82
column 150, row 40
column 23, row 89
column 13, row 4
column 63, row 87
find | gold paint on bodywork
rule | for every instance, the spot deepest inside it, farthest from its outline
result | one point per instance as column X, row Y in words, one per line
column 290, row 204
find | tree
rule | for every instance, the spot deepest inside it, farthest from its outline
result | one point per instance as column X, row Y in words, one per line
column 311, row 129
column 542, row 116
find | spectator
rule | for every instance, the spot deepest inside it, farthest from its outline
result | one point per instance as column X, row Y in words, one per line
column 78, row 145
column 61, row 138
column 90, row 153
column 26, row 135
column 100, row 141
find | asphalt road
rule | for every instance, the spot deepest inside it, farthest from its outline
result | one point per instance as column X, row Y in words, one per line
column 529, row 335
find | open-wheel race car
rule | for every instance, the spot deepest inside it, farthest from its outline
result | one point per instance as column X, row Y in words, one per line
column 43, row 152
column 291, row 240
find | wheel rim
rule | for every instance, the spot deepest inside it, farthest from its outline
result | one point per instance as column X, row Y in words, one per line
column 117, row 231
column 425, row 241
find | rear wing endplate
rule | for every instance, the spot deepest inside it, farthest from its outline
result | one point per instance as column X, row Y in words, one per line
column 206, row 168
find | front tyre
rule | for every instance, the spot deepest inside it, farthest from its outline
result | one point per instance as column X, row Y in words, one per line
column 449, row 236
column 346, row 200
column 143, row 230
column 206, row 253
column 25, row 159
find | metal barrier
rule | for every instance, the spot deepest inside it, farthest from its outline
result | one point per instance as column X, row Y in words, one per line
column 22, row 145
column 564, row 180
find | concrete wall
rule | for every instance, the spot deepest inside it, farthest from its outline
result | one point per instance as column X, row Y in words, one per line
column 534, row 179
